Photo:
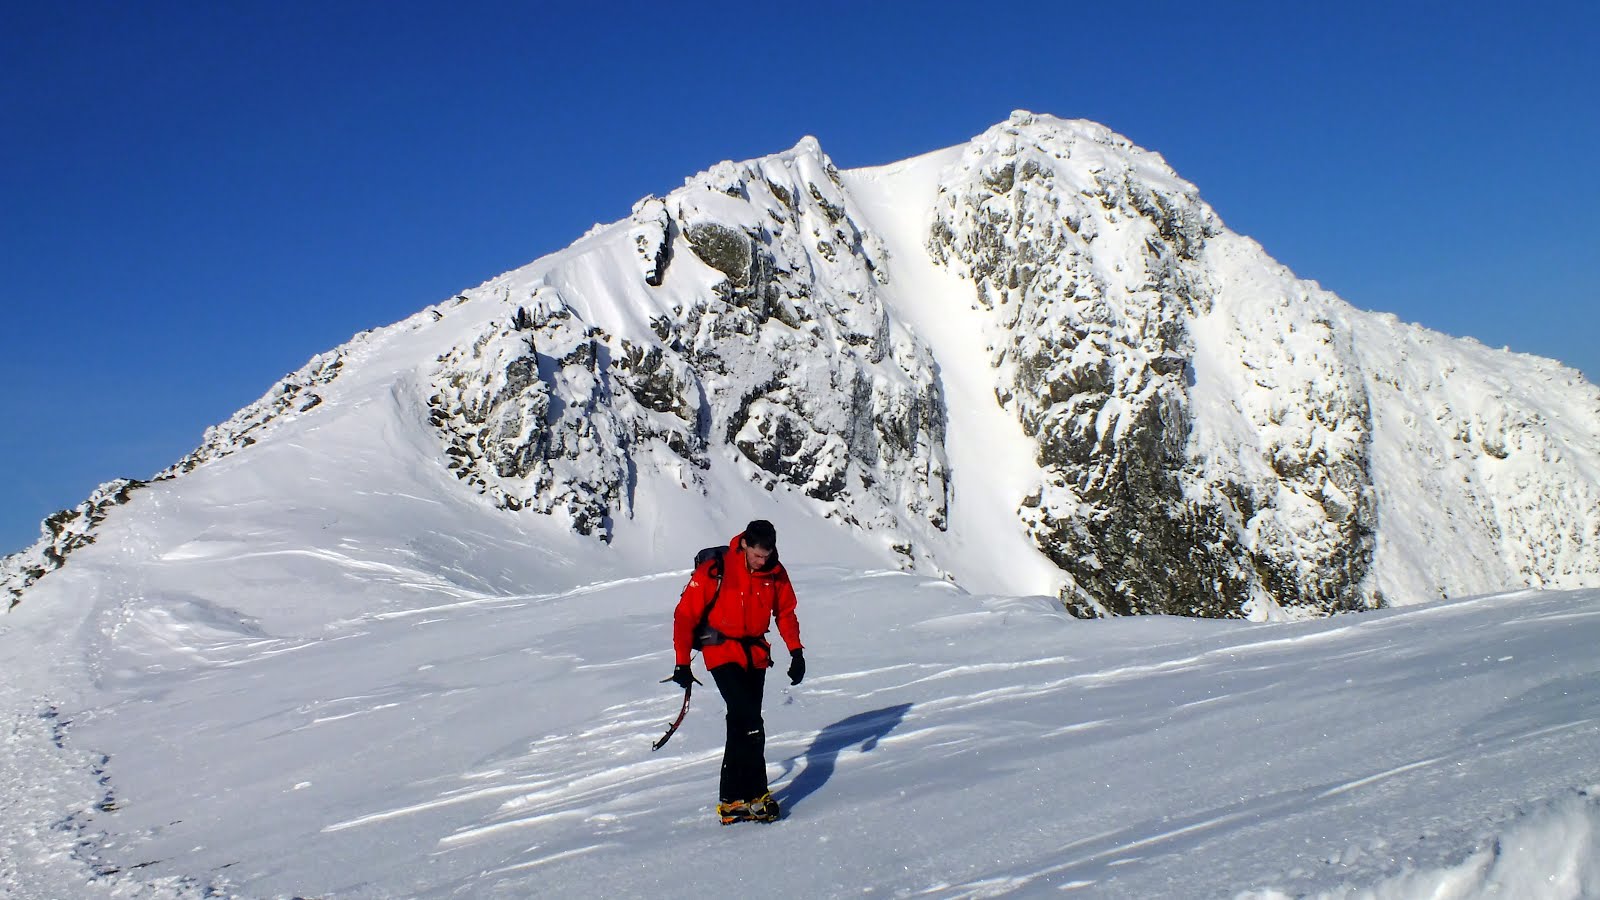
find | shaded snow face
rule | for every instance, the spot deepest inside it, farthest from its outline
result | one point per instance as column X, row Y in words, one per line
column 1488, row 465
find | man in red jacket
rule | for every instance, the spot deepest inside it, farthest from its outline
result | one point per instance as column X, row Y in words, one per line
column 744, row 590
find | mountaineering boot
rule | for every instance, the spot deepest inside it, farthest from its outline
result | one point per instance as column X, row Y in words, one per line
column 731, row 811
column 764, row 808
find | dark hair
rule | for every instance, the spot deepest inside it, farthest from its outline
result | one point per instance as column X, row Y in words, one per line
column 760, row 533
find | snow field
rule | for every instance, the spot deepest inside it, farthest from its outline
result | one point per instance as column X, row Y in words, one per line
column 493, row 744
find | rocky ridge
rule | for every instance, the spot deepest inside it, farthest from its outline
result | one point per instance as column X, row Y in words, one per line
column 71, row 529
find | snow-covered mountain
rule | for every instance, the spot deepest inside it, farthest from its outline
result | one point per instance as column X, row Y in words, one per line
column 1034, row 363
column 396, row 629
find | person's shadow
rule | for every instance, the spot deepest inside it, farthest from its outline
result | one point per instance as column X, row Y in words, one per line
column 863, row 728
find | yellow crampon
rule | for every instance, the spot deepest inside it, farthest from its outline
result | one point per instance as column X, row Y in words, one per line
column 761, row 809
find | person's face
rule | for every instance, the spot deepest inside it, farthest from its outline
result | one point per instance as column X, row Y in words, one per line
column 755, row 558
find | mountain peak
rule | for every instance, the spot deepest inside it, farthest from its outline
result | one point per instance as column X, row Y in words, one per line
column 1035, row 363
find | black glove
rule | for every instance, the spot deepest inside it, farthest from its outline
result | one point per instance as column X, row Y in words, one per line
column 797, row 666
column 682, row 676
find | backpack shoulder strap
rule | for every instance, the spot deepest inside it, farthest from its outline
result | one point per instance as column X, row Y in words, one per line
column 716, row 556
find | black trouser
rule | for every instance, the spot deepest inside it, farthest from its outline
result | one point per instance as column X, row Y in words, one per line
column 744, row 759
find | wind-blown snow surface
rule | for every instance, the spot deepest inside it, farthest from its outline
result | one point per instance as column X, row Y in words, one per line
column 301, row 703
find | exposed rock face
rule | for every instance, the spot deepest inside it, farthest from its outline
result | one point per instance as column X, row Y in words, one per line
column 1091, row 256
column 765, row 334
column 528, row 417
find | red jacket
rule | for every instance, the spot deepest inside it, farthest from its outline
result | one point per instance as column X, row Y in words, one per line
column 745, row 609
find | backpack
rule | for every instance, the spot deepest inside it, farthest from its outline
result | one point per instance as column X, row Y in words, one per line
column 704, row 634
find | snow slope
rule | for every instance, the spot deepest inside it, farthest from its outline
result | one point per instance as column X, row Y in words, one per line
column 992, row 461
column 294, row 715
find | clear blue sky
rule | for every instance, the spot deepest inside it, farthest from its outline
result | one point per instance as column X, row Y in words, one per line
column 199, row 197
